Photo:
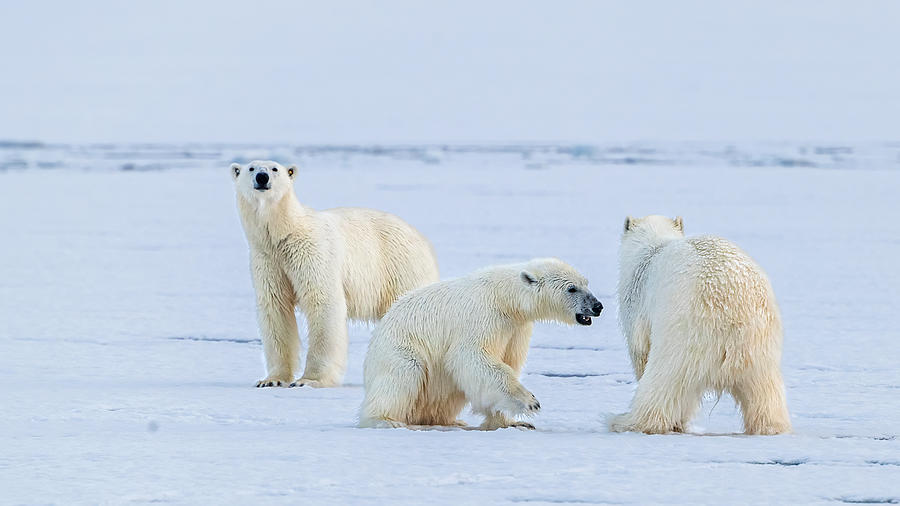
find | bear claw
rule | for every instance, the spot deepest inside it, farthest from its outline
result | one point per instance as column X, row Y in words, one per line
column 306, row 382
column 270, row 383
column 524, row 401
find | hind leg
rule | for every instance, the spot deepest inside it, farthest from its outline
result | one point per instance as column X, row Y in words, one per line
column 668, row 395
column 440, row 402
column 394, row 382
column 439, row 405
column 639, row 347
column 760, row 394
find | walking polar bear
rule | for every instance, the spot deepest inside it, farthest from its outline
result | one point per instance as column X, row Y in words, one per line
column 335, row 264
column 465, row 340
column 698, row 314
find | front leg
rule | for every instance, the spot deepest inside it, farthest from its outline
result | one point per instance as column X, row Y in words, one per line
column 514, row 356
column 326, row 359
column 490, row 385
column 517, row 348
column 277, row 323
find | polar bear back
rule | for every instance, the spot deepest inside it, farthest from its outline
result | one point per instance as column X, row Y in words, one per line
column 382, row 258
column 710, row 285
column 433, row 318
column 714, row 274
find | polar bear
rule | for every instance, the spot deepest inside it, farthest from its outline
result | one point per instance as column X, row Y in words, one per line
column 465, row 340
column 335, row 264
column 698, row 314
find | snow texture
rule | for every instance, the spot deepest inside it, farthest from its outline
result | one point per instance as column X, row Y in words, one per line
column 129, row 346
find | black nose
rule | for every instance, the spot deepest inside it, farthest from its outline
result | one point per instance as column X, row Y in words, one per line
column 597, row 307
column 262, row 179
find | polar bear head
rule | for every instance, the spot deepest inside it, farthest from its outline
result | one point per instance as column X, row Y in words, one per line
column 558, row 292
column 263, row 181
column 653, row 226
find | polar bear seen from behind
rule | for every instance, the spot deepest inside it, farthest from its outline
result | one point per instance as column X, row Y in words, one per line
column 698, row 314
column 334, row 264
column 465, row 340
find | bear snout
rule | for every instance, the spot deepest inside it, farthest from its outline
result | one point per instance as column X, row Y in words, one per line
column 262, row 179
column 591, row 305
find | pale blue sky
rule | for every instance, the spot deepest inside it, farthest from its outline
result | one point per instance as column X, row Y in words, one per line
column 395, row 72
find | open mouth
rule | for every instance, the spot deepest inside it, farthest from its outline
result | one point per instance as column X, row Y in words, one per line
column 583, row 319
column 261, row 188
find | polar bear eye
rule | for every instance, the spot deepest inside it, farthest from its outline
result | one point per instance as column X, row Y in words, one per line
column 274, row 169
column 572, row 289
column 251, row 169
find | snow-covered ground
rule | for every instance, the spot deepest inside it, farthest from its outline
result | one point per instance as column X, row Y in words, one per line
column 129, row 346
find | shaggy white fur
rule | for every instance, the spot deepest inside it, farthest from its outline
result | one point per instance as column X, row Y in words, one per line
column 698, row 314
column 335, row 264
column 465, row 340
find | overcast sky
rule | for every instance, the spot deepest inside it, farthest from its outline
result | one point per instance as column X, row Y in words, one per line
column 481, row 71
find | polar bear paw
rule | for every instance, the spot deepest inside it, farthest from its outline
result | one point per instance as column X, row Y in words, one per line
column 520, row 402
column 529, row 402
column 381, row 423
column 627, row 422
column 271, row 382
column 498, row 420
column 770, row 429
column 511, row 425
column 619, row 423
column 314, row 383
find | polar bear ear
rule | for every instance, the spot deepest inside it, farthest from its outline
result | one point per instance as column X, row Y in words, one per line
column 528, row 278
column 679, row 224
column 235, row 169
column 291, row 170
column 628, row 222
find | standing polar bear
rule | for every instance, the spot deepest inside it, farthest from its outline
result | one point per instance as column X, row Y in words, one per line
column 335, row 264
column 698, row 314
column 465, row 340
